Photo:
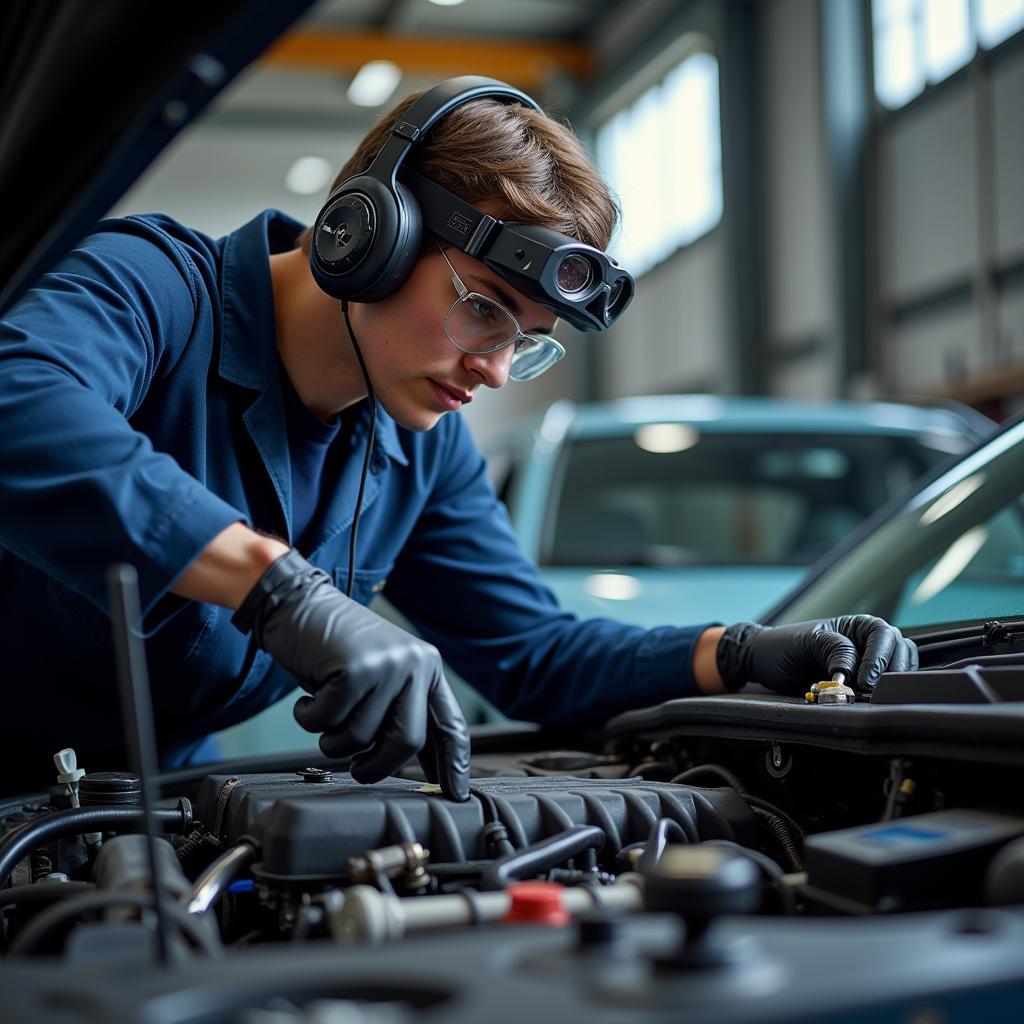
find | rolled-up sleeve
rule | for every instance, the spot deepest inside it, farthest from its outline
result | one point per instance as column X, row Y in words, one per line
column 465, row 583
column 79, row 353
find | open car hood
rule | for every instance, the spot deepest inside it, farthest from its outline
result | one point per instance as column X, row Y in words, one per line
column 91, row 93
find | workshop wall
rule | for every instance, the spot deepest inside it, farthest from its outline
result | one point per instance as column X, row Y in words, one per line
column 952, row 239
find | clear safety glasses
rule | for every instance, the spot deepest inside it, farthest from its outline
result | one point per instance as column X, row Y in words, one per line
column 479, row 324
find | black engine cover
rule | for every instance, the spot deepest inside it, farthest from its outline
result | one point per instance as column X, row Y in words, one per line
column 309, row 830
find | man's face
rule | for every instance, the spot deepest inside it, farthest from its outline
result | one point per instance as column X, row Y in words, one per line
column 417, row 373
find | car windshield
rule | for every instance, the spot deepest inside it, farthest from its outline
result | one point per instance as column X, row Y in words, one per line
column 723, row 498
column 954, row 553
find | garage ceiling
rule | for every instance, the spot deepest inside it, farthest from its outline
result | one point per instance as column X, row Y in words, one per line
column 550, row 47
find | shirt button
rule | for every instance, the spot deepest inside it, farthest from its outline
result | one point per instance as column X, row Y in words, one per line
column 377, row 464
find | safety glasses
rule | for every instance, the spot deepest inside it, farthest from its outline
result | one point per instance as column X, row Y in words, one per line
column 478, row 324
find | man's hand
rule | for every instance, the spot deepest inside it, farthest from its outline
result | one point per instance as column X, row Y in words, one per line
column 789, row 659
column 377, row 691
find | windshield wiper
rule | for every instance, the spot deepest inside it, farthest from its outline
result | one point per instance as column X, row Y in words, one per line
column 988, row 633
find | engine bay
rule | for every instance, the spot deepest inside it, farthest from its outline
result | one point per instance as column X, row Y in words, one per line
column 746, row 857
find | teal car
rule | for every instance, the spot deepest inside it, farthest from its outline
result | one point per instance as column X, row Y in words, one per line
column 671, row 509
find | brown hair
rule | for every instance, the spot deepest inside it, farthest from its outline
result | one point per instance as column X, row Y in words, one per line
column 532, row 164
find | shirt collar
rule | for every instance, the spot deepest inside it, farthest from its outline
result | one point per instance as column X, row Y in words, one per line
column 249, row 340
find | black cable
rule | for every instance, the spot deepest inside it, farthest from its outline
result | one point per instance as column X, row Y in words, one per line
column 19, row 842
column 782, row 836
column 756, row 801
column 47, row 920
column 42, row 892
column 366, row 455
column 726, row 776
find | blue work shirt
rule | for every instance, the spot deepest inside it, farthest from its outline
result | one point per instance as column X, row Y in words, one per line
column 142, row 413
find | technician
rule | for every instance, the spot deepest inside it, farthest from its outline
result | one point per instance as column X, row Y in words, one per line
column 203, row 409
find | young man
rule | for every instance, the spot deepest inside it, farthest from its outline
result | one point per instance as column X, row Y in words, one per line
column 198, row 408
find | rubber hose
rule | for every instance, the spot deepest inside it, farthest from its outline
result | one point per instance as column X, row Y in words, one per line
column 18, row 843
column 541, row 856
column 39, row 927
column 42, row 892
column 658, row 840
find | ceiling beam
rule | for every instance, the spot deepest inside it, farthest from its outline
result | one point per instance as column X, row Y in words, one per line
column 528, row 64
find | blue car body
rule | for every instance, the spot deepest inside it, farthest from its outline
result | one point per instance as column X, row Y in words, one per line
column 531, row 467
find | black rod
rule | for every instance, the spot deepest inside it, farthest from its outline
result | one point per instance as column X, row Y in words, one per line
column 137, row 713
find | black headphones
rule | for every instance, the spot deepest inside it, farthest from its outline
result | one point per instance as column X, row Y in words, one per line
column 367, row 237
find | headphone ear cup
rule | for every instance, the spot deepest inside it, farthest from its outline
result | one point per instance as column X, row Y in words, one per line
column 365, row 240
column 409, row 243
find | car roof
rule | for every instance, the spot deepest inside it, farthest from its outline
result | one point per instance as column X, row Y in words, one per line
column 729, row 414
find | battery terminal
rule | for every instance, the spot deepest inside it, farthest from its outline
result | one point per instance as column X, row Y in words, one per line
column 831, row 691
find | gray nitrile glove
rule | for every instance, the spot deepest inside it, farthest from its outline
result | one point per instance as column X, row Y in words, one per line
column 790, row 658
column 377, row 691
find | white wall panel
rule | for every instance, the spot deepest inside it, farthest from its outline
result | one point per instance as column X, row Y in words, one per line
column 216, row 180
column 809, row 378
column 933, row 349
column 797, row 298
column 1008, row 126
column 928, row 184
column 672, row 337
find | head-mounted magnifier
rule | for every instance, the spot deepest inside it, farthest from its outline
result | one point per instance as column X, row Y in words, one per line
column 579, row 283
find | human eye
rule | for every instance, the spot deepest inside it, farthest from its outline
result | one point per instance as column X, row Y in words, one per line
column 482, row 309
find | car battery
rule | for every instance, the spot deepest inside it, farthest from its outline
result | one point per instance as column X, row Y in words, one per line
column 918, row 862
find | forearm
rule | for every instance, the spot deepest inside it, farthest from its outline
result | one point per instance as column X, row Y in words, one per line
column 705, row 668
column 229, row 566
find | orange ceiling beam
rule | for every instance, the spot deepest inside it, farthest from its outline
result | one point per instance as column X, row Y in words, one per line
column 526, row 64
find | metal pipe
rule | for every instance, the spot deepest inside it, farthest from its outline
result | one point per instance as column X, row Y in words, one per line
column 366, row 915
column 210, row 885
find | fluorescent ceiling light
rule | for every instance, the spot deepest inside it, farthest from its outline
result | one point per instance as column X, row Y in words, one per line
column 447, row 3
column 374, row 83
column 663, row 438
column 308, row 175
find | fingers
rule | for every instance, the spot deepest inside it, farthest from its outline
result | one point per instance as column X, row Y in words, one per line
column 329, row 706
column 448, row 742
column 401, row 737
column 904, row 656
column 353, row 733
column 833, row 651
column 904, row 659
column 880, row 644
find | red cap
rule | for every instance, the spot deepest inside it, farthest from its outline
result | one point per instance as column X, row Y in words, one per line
column 536, row 903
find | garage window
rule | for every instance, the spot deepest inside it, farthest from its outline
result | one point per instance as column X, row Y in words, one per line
column 663, row 158
column 920, row 42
